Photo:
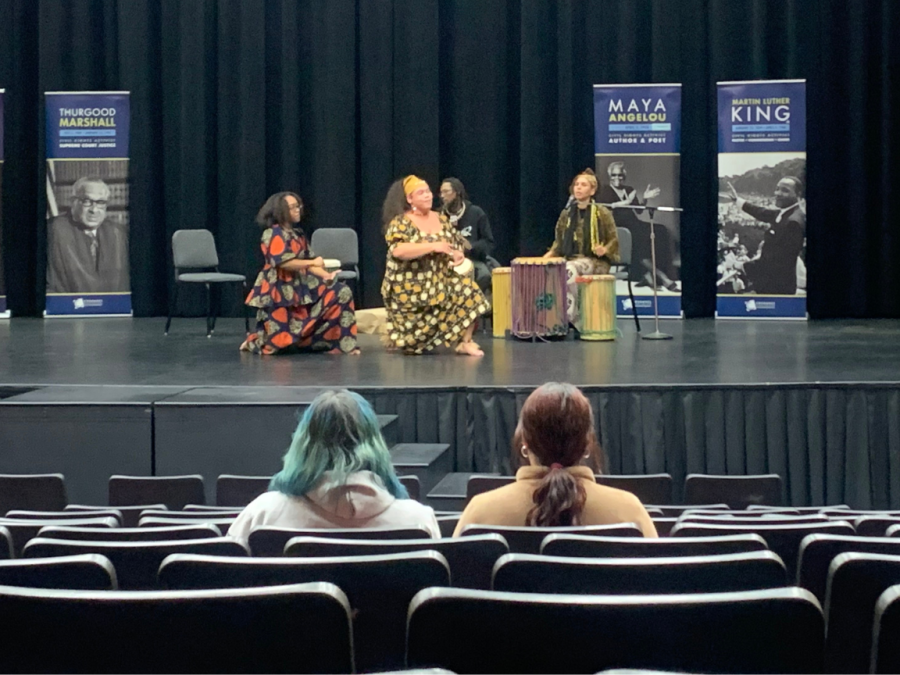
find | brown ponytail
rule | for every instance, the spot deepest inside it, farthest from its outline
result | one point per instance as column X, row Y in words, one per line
column 557, row 426
column 558, row 500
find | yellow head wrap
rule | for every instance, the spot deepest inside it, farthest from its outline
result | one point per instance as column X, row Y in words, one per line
column 411, row 184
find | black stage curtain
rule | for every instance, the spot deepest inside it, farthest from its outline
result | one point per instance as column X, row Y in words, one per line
column 235, row 99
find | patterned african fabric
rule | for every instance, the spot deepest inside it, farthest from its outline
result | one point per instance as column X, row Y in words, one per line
column 297, row 310
column 428, row 304
column 576, row 235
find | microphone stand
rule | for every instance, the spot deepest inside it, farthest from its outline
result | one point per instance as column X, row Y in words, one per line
column 657, row 334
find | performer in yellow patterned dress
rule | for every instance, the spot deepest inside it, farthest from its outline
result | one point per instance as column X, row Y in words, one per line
column 428, row 304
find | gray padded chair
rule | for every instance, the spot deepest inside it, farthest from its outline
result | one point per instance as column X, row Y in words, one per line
column 196, row 250
column 623, row 271
column 339, row 243
column 37, row 492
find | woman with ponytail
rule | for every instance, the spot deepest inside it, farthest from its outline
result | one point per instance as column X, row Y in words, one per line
column 555, row 486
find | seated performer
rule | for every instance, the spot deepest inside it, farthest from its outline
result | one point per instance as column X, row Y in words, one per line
column 299, row 304
column 428, row 304
column 472, row 223
column 585, row 237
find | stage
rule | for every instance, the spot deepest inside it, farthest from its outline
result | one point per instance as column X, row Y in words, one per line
column 817, row 402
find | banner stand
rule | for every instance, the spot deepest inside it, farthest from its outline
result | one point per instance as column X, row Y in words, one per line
column 637, row 151
column 4, row 312
column 88, row 218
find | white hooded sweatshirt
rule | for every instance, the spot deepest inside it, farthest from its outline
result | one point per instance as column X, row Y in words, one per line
column 360, row 501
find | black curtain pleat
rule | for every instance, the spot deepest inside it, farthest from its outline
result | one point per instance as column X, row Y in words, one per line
column 235, row 99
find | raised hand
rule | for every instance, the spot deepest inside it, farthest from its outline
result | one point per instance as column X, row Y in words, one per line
column 732, row 192
column 651, row 192
column 457, row 256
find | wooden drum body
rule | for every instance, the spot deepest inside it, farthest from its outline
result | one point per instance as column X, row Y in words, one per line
column 539, row 297
column 501, row 300
column 597, row 306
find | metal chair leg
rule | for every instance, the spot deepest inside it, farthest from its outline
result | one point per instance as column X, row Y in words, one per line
column 634, row 312
column 208, row 311
column 173, row 305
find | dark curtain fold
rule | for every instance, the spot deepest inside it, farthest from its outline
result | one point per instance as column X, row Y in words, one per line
column 235, row 99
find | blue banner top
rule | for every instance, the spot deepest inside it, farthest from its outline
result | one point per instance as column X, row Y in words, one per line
column 87, row 125
column 637, row 119
column 768, row 116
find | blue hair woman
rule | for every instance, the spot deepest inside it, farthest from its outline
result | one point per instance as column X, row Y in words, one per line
column 337, row 473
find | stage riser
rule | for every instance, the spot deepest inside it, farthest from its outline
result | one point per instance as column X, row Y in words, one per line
column 831, row 443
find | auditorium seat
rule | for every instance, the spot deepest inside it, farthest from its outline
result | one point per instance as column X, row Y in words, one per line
column 466, row 631
column 663, row 525
column 23, row 530
column 471, row 559
column 529, row 539
column 874, row 526
column 853, row 514
column 379, row 589
column 130, row 514
column 782, row 539
column 729, row 519
column 886, row 633
column 7, row 550
column 413, row 486
column 855, row 582
column 525, row 573
column 650, row 488
column 206, row 508
column 580, row 546
column 737, row 491
column 136, row 562
column 818, row 550
column 173, row 491
column 87, row 572
column 301, row 628
column 190, row 516
column 676, row 510
column 222, row 523
column 267, row 542
column 173, row 533
column 234, row 490
column 448, row 524
column 38, row 492
column 893, row 531
column 798, row 509
column 65, row 515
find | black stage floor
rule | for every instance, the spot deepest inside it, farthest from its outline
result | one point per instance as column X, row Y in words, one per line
column 703, row 352
column 817, row 403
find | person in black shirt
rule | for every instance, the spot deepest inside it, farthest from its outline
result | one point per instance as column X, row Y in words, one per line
column 472, row 223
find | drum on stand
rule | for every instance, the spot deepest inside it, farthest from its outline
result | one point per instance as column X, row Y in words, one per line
column 596, row 306
column 538, row 297
column 502, row 301
column 465, row 269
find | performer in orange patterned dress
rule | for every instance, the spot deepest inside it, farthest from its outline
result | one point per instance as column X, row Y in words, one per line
column 299, row 304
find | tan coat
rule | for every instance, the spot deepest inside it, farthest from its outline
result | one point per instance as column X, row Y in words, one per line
column 510, row 504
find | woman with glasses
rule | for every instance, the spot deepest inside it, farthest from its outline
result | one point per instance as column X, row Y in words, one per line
column 585, row 236
column 299, row 305
column 428, row 304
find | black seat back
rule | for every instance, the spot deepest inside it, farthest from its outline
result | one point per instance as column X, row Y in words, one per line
column 529, row 539
column 738, row 492
column 413, row 486
column 201, row 531
column 379, row 589
column 130, row 514
column 471, row 559
column 221, row 522
column 87, row 572
column 855, row 582
column 240, row 490
column 818, row 551
column 173, row 491
column 525, row 573
column 574, row 545
column 37, row 492
column 267, row 542
column 466, row 631
column 136, row 562
column 654, row 488
column 886, row 635
column 63, row 515
column 23, row 530
column 7, row 550
column 296, row 628
column 874, row 526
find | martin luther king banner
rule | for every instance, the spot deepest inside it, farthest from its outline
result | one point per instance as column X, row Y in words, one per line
column 87, row 204
column 637, row 150
column 762, row 205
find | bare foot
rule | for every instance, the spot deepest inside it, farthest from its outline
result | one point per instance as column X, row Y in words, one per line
column 337, row 350
column 468, row 349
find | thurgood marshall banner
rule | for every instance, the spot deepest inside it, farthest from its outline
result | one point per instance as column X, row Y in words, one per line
column 762, row 209
column 3, row 310
column 637, row 146
column 87, row 203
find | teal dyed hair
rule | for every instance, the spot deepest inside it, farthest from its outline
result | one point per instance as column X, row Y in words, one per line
column 339, row 432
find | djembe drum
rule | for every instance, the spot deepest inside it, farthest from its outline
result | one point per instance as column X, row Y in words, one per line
column 501, row 300
column 596, row 306
column 538, row 297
